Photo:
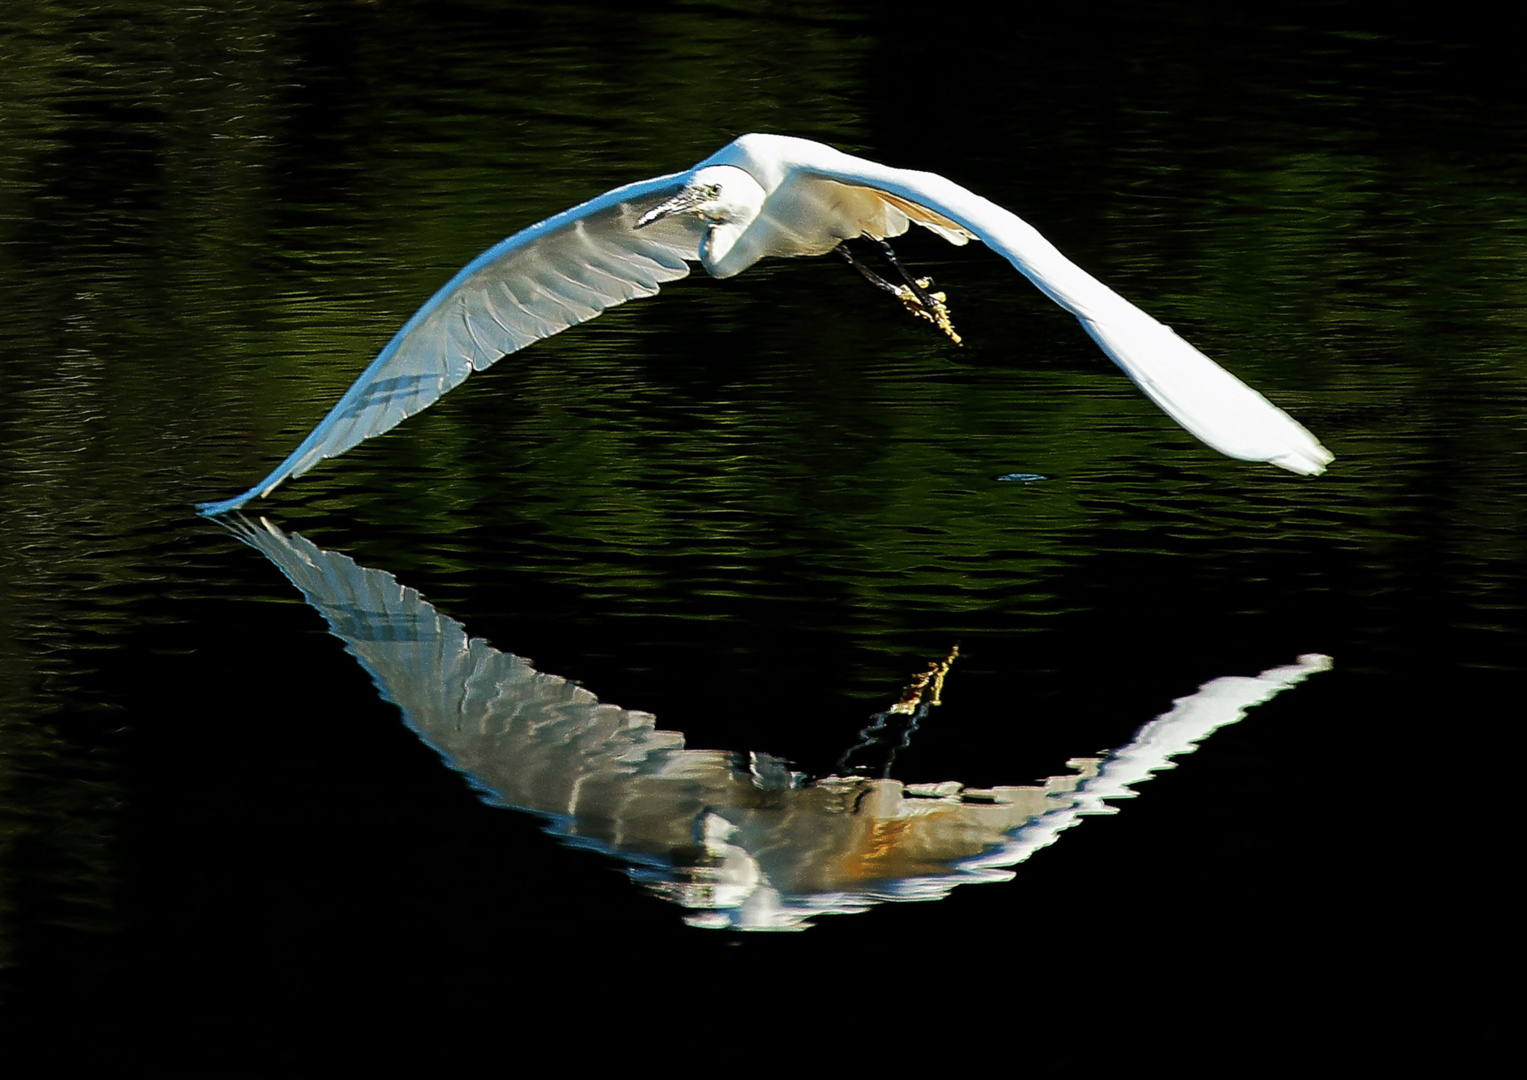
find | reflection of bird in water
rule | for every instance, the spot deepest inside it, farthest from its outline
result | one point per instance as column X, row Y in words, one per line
column 739, row 839
column 762, row 196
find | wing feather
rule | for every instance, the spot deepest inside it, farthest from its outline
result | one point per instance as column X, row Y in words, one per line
column 559, row 273
column 1203, row 397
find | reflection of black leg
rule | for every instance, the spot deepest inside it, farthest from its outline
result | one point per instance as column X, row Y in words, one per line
column 892, row 730
column 888, row 733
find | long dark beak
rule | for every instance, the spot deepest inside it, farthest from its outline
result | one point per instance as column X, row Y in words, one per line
column 684, row 201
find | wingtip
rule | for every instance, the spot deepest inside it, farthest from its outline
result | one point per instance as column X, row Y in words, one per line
column 1306, row 460
column 226, row 506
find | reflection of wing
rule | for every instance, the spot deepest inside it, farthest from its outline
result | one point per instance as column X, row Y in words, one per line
column 551, row 276
column 514, row 730
column 1192, row 389
column 737, row 838
column 1192, row 719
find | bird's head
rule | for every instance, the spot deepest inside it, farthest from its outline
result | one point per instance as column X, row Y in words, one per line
column 716, row 194
column 725, row 198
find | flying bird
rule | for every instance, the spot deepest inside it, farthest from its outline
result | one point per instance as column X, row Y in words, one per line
column 766, row 195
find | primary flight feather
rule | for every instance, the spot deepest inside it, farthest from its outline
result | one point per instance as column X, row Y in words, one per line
column 763, row 195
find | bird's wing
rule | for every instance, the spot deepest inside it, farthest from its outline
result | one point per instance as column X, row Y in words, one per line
column 551, row 276
column 1192, row 389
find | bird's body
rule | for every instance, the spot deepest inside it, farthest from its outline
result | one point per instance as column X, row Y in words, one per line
column 761, row 196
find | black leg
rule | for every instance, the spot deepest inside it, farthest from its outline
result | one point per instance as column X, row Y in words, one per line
column 919, row 288
column 914, row 294
column 869, row 275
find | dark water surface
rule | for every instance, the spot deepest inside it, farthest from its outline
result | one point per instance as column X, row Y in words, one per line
column 751, row 508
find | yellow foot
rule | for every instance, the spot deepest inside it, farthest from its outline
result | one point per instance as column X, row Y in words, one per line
column 939, row 316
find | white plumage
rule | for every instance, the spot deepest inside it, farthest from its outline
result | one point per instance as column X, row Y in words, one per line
column 760, row 196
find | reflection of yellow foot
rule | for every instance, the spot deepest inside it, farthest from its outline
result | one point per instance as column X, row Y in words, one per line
column 926, row 687
column 939, row 316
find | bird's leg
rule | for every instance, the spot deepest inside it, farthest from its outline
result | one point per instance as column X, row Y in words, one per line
column 919, row 287
column 869, row 275
column 915, row 294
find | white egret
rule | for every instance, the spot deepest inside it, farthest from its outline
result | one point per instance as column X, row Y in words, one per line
column 764, row 195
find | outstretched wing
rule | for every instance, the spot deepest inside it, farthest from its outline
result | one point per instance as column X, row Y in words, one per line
column 551, row 276
column 1192, row 389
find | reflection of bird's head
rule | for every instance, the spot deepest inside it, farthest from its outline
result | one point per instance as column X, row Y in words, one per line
column 725, row 198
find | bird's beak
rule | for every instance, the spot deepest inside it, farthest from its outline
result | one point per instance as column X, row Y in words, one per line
column 684, row 201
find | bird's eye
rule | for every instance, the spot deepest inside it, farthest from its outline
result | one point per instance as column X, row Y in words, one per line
column 713, row 191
